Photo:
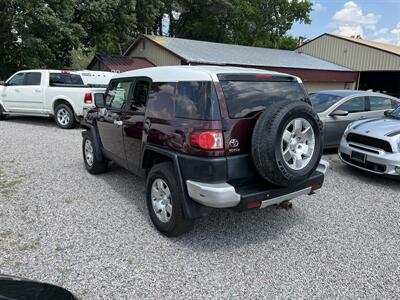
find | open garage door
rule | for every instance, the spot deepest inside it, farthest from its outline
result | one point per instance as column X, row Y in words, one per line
column 385, row 82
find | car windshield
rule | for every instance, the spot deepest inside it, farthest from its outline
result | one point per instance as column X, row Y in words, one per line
column 322, row 102
column 246, row 98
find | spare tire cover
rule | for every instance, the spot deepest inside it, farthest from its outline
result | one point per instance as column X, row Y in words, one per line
column 287, row 143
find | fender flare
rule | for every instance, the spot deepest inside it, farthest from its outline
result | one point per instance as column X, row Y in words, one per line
column 191, row 209
column 89, row 129
column 66, row 99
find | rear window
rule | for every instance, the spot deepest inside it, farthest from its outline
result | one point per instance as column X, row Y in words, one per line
column 322, row 102
column 65, row 79
column 197, row 100
column 245, row 98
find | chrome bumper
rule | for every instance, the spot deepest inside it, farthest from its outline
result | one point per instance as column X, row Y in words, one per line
column 390, row 160
column 223, row 195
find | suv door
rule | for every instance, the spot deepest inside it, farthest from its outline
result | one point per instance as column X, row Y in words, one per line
column 111, row 119
column 335, row 125
column 134, row 123
column 24, row 93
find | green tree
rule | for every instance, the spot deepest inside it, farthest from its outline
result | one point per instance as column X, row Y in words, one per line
column 37, row 34
column 262, row 23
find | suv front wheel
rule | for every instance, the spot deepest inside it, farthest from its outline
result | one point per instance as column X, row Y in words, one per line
column 93, row 163
column 164, row 201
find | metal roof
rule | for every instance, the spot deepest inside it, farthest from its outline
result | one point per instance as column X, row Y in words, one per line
column 225, row 54
column 122, row 63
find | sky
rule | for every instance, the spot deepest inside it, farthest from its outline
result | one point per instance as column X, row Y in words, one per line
column 377, row 20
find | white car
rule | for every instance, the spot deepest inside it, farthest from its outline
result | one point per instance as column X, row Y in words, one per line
column 61, row 94
column 374, row 144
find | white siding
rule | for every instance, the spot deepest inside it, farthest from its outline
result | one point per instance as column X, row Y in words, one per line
column 155, row 54
column 351, row 55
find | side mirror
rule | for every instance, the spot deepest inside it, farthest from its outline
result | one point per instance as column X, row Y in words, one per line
column 388, row 112
column 99, row 100
column 3, row 83
column 339, row 113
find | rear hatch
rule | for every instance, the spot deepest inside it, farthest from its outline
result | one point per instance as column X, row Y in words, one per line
column 245, row 97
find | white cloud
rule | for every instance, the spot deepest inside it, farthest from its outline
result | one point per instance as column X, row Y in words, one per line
column 318, row 7
column 351, row 20
column 384, row 35
column 350, row 30
column 353, row 14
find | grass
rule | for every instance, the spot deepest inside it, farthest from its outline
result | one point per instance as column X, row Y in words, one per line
column 8, row 184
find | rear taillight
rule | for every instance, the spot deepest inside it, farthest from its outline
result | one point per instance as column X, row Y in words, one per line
column 207, row 140
column 88, row 98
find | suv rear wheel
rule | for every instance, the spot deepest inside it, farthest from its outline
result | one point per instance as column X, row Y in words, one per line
column 286, row 143
column 164, row 201
column 64, row 116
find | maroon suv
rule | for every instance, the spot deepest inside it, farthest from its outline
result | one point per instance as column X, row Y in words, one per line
column 207, row 137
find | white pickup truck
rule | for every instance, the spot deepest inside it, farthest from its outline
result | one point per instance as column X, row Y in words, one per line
column 61, row 94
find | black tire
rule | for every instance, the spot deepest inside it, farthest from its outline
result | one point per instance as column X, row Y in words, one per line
column 95, row 165
column 177, row 223
column 68, row 121
column 2, row 115
column 267, row 141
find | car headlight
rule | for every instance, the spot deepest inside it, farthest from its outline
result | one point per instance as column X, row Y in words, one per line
column 346, row 131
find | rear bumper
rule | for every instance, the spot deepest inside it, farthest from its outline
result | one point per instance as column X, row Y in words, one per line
column 225, row 195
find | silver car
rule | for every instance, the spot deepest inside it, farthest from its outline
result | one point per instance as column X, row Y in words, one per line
column 338, row 108
column 373, row 145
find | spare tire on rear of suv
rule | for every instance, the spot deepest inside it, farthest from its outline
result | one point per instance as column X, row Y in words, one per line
column 287, row 143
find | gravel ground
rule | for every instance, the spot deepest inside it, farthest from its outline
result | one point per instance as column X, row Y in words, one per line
column 92, row 234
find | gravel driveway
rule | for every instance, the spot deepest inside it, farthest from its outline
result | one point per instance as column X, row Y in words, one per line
column 92, row 234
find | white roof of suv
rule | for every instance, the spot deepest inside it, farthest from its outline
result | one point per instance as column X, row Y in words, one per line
column 191, row 73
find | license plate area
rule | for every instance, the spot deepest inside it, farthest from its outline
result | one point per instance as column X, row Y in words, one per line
column 357, row 156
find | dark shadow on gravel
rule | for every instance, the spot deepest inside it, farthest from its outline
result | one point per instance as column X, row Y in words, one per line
column 222, row 229
column 33, row 121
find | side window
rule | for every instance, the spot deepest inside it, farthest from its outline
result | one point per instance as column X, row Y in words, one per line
column 354, row 105
column 160, row 104
column 33, row 78
column 117, row 94
column 379, row 103
column 197, row 100
column 17, row 79
column 139, row 96
column 65, row 79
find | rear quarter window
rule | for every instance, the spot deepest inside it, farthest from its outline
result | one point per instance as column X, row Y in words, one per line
column 245, row 98
column 197, row 100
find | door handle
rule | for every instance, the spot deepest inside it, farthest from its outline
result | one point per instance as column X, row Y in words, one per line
column 118, row 123
column 17, row 91
column 37, row 91
column 147, row 125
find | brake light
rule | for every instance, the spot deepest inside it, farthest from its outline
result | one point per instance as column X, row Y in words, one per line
column 263, row 76
column 208, row 140
column 88, row 98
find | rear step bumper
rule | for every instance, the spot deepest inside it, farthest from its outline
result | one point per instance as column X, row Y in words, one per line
column 224, row 195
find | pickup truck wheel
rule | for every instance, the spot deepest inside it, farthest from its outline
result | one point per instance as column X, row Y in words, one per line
column 64, row 116
column 286, row 143
column 164, row 201
column 93, row 164
column 2, row 115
